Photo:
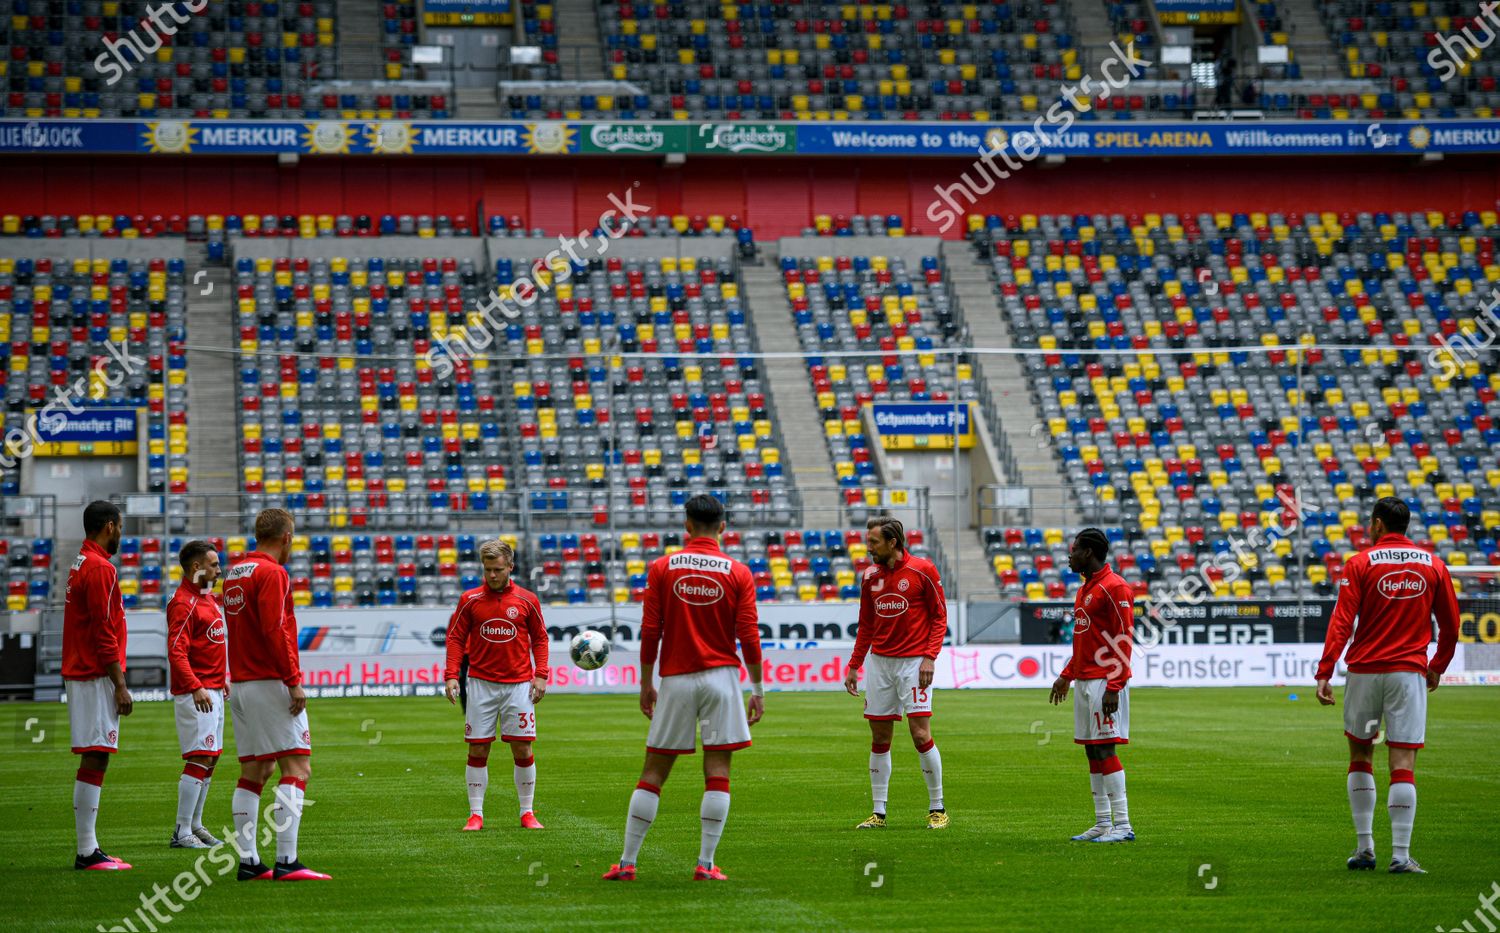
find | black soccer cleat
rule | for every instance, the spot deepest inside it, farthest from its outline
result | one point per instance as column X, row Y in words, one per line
column 255, row 872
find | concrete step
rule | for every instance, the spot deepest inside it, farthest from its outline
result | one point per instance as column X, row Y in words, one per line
column 359, row 39
column 580, row 51
column 806, row 452
column 213, row 380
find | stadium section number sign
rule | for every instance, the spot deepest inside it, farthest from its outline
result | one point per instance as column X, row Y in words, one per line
column 922, row 425
column 88, row 432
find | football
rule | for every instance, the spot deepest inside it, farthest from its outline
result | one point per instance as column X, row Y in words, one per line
column 589, row 650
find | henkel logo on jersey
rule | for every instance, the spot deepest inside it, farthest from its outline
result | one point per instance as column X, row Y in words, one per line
column 218, row 632
column 698, row 590
column 234, row 599
column 1402, row 584
column 498, row 631
column 888, row 607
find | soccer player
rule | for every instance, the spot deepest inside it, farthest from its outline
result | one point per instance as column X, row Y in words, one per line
column 698, row 603
column 1394, row 589
column 93, row 671
column 498, row 626
column 268, row 704
column 903, row 617
column 1103, row 626
column 197, row 655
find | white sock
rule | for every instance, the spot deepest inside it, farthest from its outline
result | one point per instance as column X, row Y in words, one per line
column 286, row 817
column 712, row 814
column 189, row 786
column 246, row 811
column 202, row 798
column 1101, row 799
column 478, row 778
column 932, row 773
column 1361, row 785
column 86, row 789
column 525, row 776
column 1401, row 804
column 642, row 814
column 880, row 775
column 1114, row 788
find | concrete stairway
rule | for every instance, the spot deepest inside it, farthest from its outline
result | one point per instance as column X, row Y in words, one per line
column 1020, row 425
column 1094, row 34
column 579, row 50
column 359, row 40
column 213, row 381
column 1311, row 46
column 805, row 452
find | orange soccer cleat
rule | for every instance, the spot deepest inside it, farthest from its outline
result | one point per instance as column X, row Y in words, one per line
column 709, row 874
column 620, row 873
column 476, row 823
column 529, row 821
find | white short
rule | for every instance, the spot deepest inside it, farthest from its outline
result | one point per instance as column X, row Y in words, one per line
column 200, row 734
column 264, row 728
column 506, row 706
column 891, row 688
column 1397, row 697
column 710, row 699
column 92, row 718
column 1090, row 725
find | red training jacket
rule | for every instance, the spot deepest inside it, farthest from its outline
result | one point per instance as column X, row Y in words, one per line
column 902, row 611
column 1394, row 588
column 1103, row 630
column 93, row 617
column 698, row 602
column 501, row 631
column 197, row 640
column 262, row 624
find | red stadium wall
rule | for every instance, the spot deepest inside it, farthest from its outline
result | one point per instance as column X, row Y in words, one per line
column 777, row 197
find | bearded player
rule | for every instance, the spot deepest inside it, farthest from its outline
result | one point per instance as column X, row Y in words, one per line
column 93, row 672
column 197, row 655
column 498, row 626
column 269, row 706
column 1103, row 626
column 903, row 617
column 1394, row 590
column 698, row 602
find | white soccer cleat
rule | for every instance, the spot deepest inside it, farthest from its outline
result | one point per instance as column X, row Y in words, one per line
column 1093, row 832
column 206, row 837
column 1118, row 834
column 186, row 841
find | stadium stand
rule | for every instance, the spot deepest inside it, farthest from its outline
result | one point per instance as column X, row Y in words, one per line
column 699, row 60
column 1178, row 454
column 1389, row 43
column 56, row 322
column 239, row 58
column 25, row 572
column 662, row 427
column 873, row 303
column 803, row 565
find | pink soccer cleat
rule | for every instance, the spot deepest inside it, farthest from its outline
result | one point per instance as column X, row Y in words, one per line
column 529, row 821
column 620, row 873
column 296, row 871
column 476, row 823
column 709, row 874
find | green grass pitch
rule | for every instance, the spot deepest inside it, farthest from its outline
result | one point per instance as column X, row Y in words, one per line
column 1244, row 781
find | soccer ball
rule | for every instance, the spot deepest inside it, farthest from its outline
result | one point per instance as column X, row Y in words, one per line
column 589, row 650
